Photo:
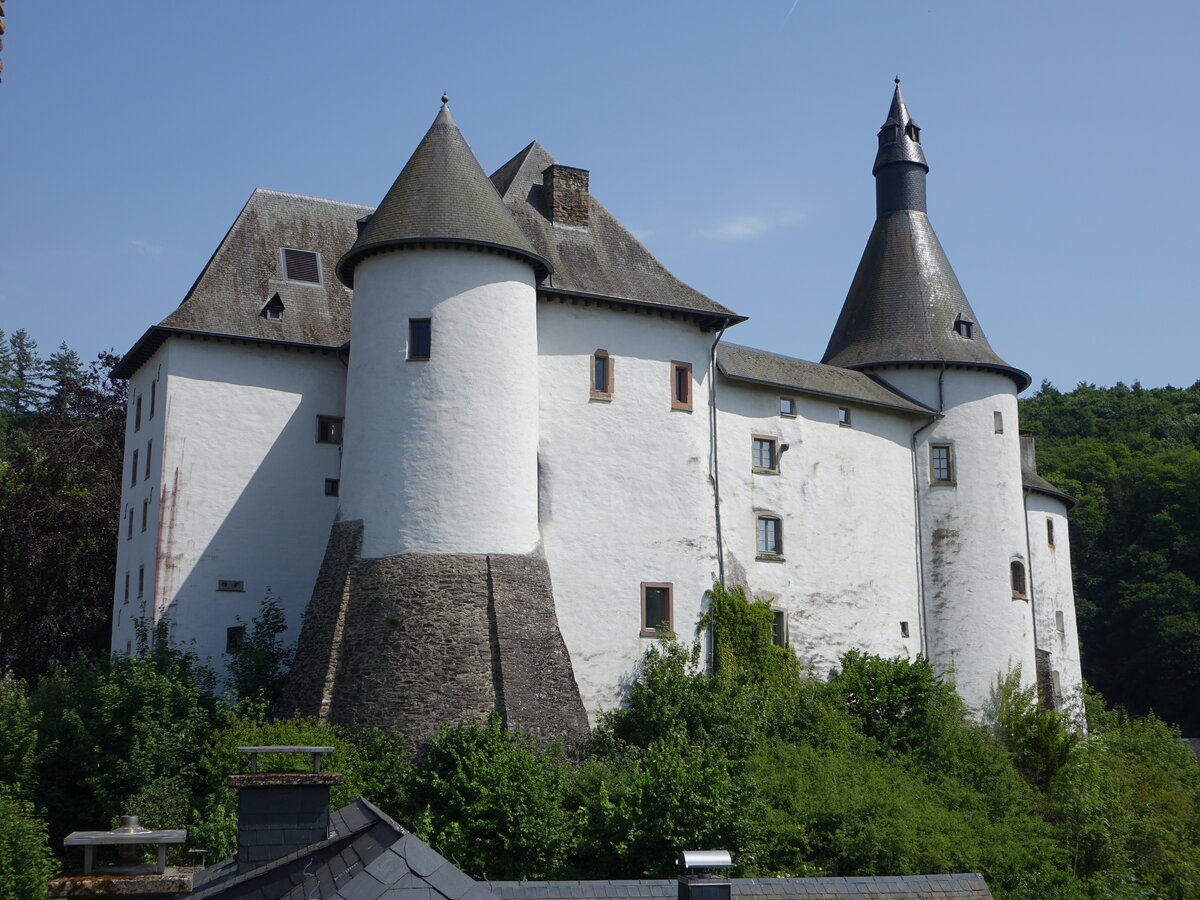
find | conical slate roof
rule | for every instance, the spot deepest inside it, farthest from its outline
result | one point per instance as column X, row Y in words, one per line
column 441, row 196
column 905, row 300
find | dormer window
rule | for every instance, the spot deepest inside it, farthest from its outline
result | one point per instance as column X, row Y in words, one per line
column 303, row 266
column 964, row 328
column 914, row 132
column 272, row 309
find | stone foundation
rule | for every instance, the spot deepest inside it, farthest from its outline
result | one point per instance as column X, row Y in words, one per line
column 408, row 642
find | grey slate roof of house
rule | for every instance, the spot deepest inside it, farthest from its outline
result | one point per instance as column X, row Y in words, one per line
column 1032, row 481
column 898, row 887
column 601, row 260
column 760, row 367
column 442, row 194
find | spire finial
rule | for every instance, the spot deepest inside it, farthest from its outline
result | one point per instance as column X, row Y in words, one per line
column 445, row 98
column 897, row 79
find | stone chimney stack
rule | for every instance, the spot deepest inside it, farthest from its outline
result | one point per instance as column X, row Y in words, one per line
column 281, row 812
column 1028, row 451
column 566, row 193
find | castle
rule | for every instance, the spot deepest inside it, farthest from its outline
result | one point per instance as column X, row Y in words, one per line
column 486, row 447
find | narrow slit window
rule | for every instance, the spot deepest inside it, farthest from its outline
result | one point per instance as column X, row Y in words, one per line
column 1049, row 532
column 681, row 385
column 129, row 533
column 301, row 265
column 998, row 419
column 656, row 608
column 941, row 463
column 903, row 629
column 1017, row 573
column 126, row 586
column 153, row 396
column 145, row 513
column 141, row 581
column 420, row 338
column 149, row 453
column 602, row 376
column 1060, row 622
column 779, row 632
column 765, row 453
column 137, row 414
column 133, row 470
column 769, row 536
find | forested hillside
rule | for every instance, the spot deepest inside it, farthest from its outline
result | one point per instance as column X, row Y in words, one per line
column 61, row 427
column 1131, row 456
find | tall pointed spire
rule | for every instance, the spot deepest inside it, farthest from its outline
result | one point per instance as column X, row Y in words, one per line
column 905, row 305
column 441, row 196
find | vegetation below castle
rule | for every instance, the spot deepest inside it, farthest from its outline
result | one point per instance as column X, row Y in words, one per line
column 876, row 770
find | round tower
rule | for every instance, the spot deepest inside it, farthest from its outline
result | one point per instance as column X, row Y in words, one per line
column 907, row 321
column 440, row 448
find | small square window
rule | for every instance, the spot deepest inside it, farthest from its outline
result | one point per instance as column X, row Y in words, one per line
column 787, row 407
column 420, row 338
column 149, row 453
column 779, row 631
column 765, row 453
column 941, row 463
column 844, row 416
column 329, row 429
column 998, row 418
column 274, row 313
column 235, row 638
column 133, row 470
column 769, row 536
column 656, row 608
column 301, row 265
column 681, row 385
column 331, row 487
column 601, row 384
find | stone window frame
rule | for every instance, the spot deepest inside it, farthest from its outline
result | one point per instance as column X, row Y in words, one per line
column 1018, row 577
column 771, row 442
column 416, row 342
column 941, row 468
column 654, row 631
column 329, row 429
column 768, row 536
column 682, row 388
column 600, row 389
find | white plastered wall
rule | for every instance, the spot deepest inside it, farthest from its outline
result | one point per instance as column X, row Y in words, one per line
column 972, row 530
column 441, row 454
column 625, row 495
column 1054, row 593
column 848, row 573
column 242, row 484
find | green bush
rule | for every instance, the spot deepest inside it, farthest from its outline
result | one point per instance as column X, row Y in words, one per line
column 26, row 863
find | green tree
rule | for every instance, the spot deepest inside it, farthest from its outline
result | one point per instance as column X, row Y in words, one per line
column 26, row 863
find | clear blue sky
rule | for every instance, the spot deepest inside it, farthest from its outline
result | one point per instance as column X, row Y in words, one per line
column 734, row 138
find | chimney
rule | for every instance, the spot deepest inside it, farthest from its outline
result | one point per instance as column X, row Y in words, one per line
column 281, row 812
column 1028, row 451
column 698, row 881
column 129, row 876
column 566, row 193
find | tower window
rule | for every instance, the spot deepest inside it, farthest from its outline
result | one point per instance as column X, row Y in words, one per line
column 844, row 416
column 420, row 338
column 1060, row 622
column 1049, row 531
column 149, row 453
column 126, row 585
column 964, row 328
column 301, row 265
column 133, row 470
column 998, row 421
column 903, row 629
column 153, row 396
column 769, row 537
column 941, row 463
column 137, row 413
column 656, row 608
column 787, row 407
column 765, row 453
column 1017, row 573
column 145, row 513
column 129, row 533
column 329, row 429
column 331, row 486
column 602, row 376
column 141, row 581
column 779, row 635
column 681, row 385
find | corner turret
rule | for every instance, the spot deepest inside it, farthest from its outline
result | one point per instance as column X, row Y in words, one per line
column 905, row 305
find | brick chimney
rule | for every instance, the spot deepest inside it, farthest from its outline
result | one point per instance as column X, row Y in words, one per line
column 566, row 193
column 281, row 812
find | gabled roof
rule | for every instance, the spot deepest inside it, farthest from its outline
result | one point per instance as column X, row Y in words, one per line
column 602, row 260
column 760, row 367
column 246, row 270
column 368, row 855
column 442, row 194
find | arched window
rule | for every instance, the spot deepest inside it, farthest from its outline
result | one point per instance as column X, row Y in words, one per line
column 1017, row 570
column 602, row 376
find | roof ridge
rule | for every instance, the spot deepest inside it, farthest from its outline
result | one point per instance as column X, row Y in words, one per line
column 275, row 193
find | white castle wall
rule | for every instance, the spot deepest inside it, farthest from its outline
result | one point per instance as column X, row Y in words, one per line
column 625, row 495
column 242, row 477
column 973, row 529
column 1054, row 595
column 848, row 576
column 441, row 455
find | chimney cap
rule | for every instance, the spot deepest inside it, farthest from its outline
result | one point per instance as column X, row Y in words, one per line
column 705, row 859
column 316, row 752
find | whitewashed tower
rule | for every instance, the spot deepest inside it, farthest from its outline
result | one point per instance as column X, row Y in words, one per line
column 907, row 322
